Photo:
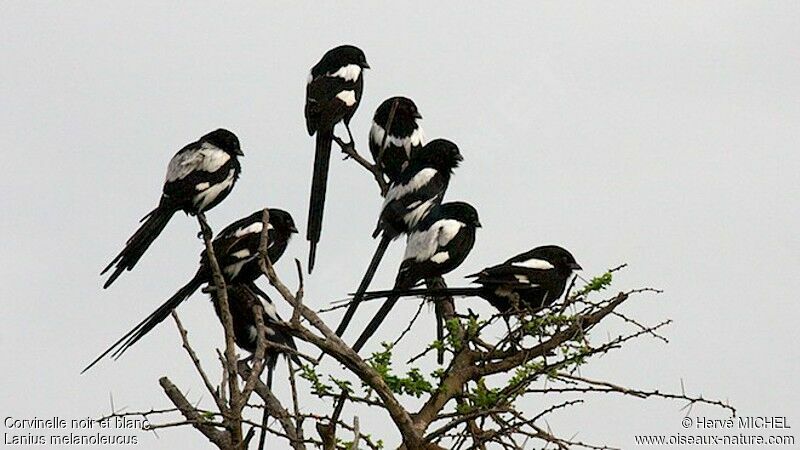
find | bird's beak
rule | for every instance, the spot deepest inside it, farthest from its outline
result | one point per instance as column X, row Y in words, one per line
column 575, row 266
column 293, row 229
column 417, row 115
column 478, row 225
column 239, row 152
column 364, row 65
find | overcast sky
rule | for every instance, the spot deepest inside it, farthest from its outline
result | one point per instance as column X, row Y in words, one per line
column 664, row 135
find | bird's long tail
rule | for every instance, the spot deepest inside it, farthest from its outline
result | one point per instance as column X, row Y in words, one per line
column 394, row 295
column 423, row 292
column 365, row 281
column 376, row 321
column 319, row 183
column 438, row 283
column 156, row 317
column 153, row 225
column 263, row 437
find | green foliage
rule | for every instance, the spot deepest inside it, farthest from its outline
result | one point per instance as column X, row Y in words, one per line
column 538, row 325
column 318, row 388
column 343, row 385
column 526, row 372
column 453, row 335
column 596, row 284
column 480, row 398
column 414, row 383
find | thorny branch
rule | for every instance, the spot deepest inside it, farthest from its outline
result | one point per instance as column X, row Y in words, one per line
column 472, row 402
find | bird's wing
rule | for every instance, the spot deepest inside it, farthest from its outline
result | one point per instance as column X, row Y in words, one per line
column 195, row 169
column 327, row 99
column 408, row 202
column 194, row 157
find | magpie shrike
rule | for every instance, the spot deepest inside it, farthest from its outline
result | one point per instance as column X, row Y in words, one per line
column 439, row 244
column 236, row 250
column 405, row 137
column 332, row 96
column 198, row 177
column 242, row 298
column 409, row 199
column 538, row 277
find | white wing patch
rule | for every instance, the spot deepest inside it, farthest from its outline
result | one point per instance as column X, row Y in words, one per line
column 350, row 72
column 415, row 183
column 232, row 270
column 243, row 253
column 421, row 245
column 270, row 309
column 522, row 279
column 440, row 257
column 205, row 198
column 202, row 186
column 448, row 230
column 419, row 212
column 252, row 228
column 427, row 244
column 533, row 263
column 208, row 158
column 416, row 139
column 348, row 97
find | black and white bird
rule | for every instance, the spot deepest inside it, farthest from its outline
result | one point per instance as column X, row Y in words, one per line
column 332, row 96
column 438, row 245
column 538, row 278
column 408, row 201
column 391, row 153
column 236, row 250
column 242, row 299
column 198, row 177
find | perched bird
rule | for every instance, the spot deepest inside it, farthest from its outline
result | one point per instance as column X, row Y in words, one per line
column 236, row 250
column 538, row 278
column 241, row 301
column 198, row 177
column 332, row 96
column 439, row 244
column 408, row 201
column 391, row 153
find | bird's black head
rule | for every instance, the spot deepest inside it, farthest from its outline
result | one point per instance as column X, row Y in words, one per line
column 282, row 222
column 341, row 56
column 557, row 256
column 225, row 140
column 405, row 113
column 461, row 211
column 440, row 154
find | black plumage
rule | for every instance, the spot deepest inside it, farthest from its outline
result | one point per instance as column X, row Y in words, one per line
column 198, row 177
column 438, row 245
column 236, row 250
column 537, row 277
column 408, row 201
column 392, row 153
column 333, row 94
column 242, row 299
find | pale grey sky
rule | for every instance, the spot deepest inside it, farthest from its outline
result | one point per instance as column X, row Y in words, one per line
column 661, row 134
